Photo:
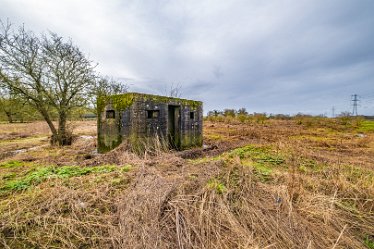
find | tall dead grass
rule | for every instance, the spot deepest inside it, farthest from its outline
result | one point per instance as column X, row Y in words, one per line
column 169, row 202
column 175, row 205
column 59, row 217
column 188, row 213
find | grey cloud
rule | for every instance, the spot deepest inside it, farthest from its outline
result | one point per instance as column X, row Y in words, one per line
column 269, row 56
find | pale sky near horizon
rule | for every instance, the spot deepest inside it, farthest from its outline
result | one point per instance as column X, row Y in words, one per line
column 274, row 56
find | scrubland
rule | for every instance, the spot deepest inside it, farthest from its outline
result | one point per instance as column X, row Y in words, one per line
column 257, row 183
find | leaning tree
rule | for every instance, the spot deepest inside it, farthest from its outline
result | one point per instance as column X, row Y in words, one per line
column 51, row 73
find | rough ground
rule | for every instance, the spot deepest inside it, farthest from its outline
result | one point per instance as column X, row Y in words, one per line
column 303, row 183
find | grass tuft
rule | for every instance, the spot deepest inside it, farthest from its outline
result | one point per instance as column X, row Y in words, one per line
column 369, row 242
column 216, row 185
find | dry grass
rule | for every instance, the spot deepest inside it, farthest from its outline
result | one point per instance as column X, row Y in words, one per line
column 287, row 185
column 34, row 137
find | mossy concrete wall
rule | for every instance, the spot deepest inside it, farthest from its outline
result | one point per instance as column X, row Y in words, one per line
column 132, row 124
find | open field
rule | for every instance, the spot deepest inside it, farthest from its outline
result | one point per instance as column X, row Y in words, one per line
column 302, row 183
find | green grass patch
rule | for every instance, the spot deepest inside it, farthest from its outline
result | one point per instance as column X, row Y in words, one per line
column 258, row 155
column 11, row 164
column 126, row 168
column 261, row 155
column 33, row 174
column 263, row 171
column 262, row 159
column 366, row 126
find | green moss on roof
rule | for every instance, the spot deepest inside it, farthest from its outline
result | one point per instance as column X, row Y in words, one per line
column 123, row 101
column 118, row 102
column 165, row 99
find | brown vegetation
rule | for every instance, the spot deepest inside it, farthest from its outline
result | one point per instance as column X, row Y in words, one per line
column 306, row 183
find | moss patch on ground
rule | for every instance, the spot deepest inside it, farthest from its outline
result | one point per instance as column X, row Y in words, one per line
column 17, row 175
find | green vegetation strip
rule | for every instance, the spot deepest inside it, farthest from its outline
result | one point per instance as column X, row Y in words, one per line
column 16, row 175
column 366, row 126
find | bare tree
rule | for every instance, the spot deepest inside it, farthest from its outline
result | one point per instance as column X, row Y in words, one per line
column 215, row 113
column 229, row 112
column 47, row 71
column 175, row 90
column 242, row 111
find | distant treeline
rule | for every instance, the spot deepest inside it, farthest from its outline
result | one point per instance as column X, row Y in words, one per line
column 18, row 111
column 242, row 115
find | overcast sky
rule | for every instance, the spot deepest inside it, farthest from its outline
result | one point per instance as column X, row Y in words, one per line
column 274, row 56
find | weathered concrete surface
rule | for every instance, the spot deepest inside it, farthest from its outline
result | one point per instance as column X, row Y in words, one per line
column 141, row 118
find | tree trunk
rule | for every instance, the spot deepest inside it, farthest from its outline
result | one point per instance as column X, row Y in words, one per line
column 9, row 116
column 64, row 137
column 60, row 136
column 50, row 124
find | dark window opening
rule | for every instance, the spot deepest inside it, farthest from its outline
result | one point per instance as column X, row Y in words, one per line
column 192, row 115
column 110, row 114
column 153, row 113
